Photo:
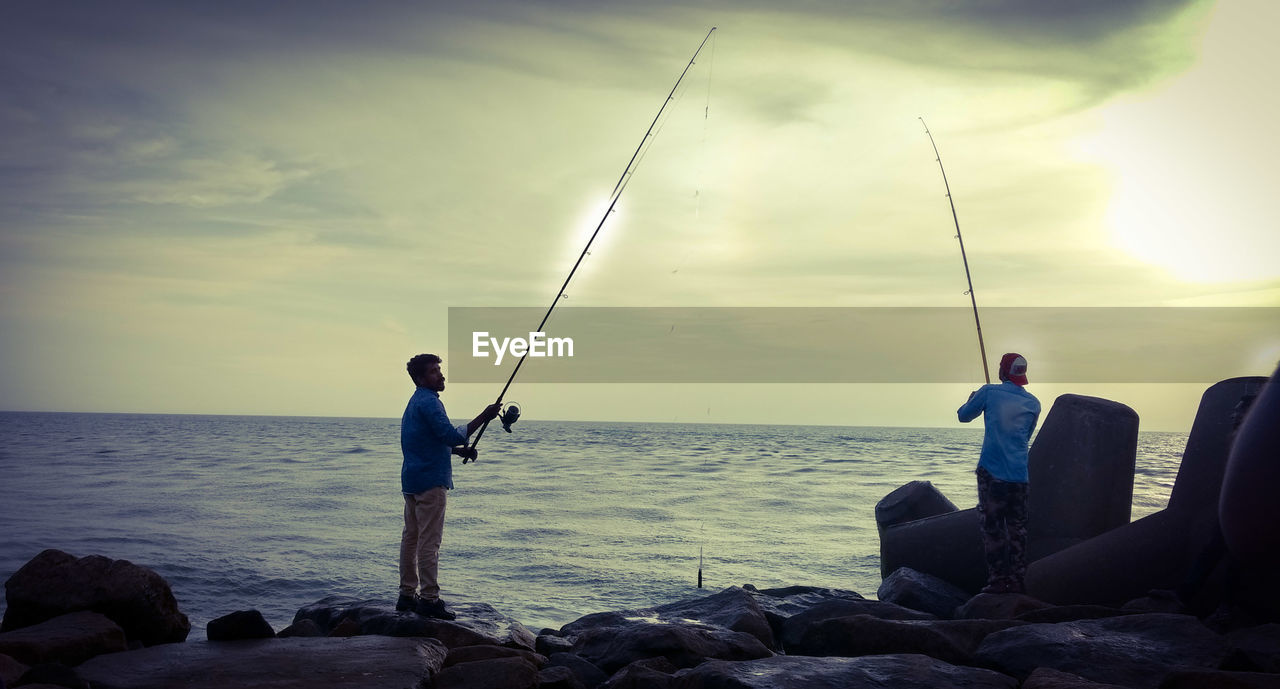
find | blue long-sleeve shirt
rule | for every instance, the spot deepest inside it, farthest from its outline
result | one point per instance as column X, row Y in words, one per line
column 1010, row 414
column 426, row 439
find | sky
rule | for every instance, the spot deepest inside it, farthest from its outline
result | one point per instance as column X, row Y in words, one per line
column 266, row 208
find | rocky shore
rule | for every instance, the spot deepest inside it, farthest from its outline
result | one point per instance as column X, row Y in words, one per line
column 108, row 624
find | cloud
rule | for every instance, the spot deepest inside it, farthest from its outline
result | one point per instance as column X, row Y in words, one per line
column 233, row 177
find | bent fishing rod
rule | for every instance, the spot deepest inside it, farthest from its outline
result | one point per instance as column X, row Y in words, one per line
column 512, row 413
column 982, row 348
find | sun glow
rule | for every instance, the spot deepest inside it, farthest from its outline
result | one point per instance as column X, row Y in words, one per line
column 1190, row 194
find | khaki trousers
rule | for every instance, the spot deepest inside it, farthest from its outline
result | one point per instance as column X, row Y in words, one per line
column 420, row 543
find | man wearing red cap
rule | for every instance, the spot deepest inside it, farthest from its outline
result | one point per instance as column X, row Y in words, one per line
column 1010, row 414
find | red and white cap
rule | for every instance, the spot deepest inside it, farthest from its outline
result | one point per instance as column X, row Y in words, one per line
column 1013, row 368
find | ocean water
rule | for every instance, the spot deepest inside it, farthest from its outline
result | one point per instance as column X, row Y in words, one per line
column 557, row 520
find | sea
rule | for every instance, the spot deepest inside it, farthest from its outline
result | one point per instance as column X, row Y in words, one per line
column 555, row 521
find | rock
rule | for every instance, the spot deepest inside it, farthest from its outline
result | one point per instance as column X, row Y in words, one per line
column 1049, row 678
column 54, row 583
column 733, row 609
column 923, row 592
column 1157, row 601
column 998, row 606
column 651, row 673
column 549, row 644
column 10, row 670
column 586, row 671
column 685, row 645
column 53, row 674
column 793, row 628
column 780, row 604
column 909, row 502
column 370, row 662
column 863, row 635
column 71, row 639
column 1254, row 649
column 867, row 672
column 477, row 623
column 952, row 641
column 468, row 654
column 495, row 673
column 349, row 628
column 1133, row 650
column 240, row 625
column 1217, row 679
column 307, row 628
column 558, row 677
column 1071, row 613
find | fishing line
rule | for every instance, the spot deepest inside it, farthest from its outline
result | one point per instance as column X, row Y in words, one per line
column 982, row 348
column 623, row 180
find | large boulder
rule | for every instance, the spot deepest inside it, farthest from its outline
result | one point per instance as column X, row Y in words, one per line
column 240, row 625
column 477, row 623
column 10, row 670
column 370, row 662
column 650, row 673
column 586, row 672
column 732, row 609
column 952, row 641
column 793, row 629
column 867, row 672
column 923, row 592
column 54, row 583
column 1255, row 649
column 492, row 673
column 684, row 644
column 69, row 639
column 1049, row 678
column 1132, row 651
column 998, row 606
column 1219, row 679
column 779, row 604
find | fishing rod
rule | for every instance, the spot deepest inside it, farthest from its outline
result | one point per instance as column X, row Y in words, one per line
column 981, row 346
column 512, row 412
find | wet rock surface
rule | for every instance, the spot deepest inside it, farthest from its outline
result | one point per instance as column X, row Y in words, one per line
column 375, row 662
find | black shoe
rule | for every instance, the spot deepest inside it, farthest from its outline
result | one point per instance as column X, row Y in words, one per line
column 434, row 609
column 405, row 602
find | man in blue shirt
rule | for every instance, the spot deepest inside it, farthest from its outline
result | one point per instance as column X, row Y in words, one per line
column 1010, row 414
column 427, row 439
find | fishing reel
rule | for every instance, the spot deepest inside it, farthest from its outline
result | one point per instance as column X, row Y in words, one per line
column 509, row 416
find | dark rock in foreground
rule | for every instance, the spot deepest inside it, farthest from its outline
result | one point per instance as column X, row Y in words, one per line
column 54, row 583
column 70, row 639
column 920, row 591
column 369, row 662
column 684, row 645
column 1133, row 650
column 477, row 623
column 239, row 626
column 869, row 672
column 732, row 609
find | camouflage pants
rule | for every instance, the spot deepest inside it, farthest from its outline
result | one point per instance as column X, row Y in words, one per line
column 1002, row 514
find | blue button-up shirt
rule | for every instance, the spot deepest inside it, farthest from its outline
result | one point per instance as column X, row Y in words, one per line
column 426, row 438
column 1010, row 414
